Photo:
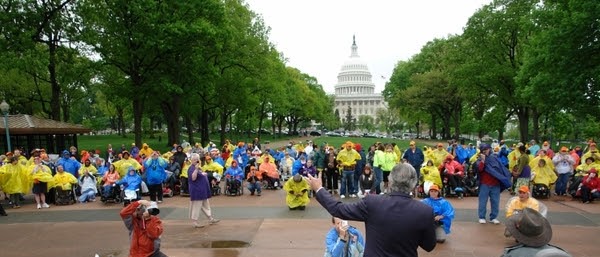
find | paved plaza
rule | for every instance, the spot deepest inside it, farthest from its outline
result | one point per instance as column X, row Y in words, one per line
column 262, row 226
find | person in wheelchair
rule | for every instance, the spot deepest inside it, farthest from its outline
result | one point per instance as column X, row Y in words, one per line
column 454, row 172
column 270, row 173
column 111, row 177
column 233, row 179
column 430, row 176
column 63, row 183
column 542, row 175
column 131, row 183
column 214, row 171
column 254, row 179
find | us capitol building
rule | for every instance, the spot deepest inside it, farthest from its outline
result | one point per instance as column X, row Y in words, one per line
column 356, row 89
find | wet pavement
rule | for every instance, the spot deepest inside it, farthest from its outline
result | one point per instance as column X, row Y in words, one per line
column 263, row 226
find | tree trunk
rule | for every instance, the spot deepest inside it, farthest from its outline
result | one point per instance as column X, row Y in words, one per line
column 535, row 116
column 120, row 121
column 433, row 129
column 171, row 113
column 261, row 117
column 523, row 116
column 138, row 112
column 55, row 87
column 152, row 126
column 204, row 137
column 190, row 129
column 457, row 116
column 223, row 124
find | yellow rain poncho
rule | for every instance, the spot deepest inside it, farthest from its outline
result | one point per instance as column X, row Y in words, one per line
column 146, row 150
column 534, row 162
column 42, row 174
column 398, row 153
column 213, row 166
column 428, row 154
column 589, row 154
column 91, row 169
column 513, row 157
column 431, row 174
column 438, row 156
column 64, row 180
column 543, row 175
column 184, row 170
column 474, row 158
column 263, row 156
column 123, row 165
column 296, row 193
column 16, row 179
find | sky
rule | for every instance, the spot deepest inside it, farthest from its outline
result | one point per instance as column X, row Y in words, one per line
column 315, row 36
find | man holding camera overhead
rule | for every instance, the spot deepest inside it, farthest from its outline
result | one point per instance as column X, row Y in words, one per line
column 144, row 228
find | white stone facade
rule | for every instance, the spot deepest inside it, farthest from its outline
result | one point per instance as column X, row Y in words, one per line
column 356, row 89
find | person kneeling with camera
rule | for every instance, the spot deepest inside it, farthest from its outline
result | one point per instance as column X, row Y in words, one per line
column 343, row 240
column 145, row 228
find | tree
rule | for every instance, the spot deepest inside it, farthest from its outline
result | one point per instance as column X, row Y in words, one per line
column 497, row 36
column 139, row 36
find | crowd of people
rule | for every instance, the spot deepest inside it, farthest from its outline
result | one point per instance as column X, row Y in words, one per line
column 348, row 171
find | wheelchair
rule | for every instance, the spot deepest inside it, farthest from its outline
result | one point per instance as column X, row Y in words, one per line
column 64, row 197
column 233, row 187
column 129, row 196
column 114, row 196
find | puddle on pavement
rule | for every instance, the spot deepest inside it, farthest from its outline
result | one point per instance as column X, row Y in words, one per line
column 220, row 244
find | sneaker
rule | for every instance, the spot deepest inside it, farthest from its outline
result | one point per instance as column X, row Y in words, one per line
column 252, row 193
column 196, row 225
column 496, row 221
column 159, row 201
column 213, row 221
column 45, row 205
column 482, row 221
column 353, row 195
column 342, row 196
column 39, row 206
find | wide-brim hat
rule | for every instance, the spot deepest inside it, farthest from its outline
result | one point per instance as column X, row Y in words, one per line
column 530, row 228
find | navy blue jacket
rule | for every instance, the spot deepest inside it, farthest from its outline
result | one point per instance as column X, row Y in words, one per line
column 415, row 159
column 396, row 224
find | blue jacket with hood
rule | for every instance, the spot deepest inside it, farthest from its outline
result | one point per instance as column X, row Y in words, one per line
column 69, row 165
column 131, row 182
column 155, row 171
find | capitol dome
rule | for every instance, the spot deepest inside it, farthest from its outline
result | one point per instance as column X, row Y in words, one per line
column 354, row 77
column 355, row 90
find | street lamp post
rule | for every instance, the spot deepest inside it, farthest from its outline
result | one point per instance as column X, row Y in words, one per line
column 4, row 107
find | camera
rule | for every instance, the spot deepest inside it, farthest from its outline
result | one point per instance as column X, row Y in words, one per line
column 344, row 225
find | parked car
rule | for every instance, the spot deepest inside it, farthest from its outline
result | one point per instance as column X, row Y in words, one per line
column 315, row 133
column 333, row 134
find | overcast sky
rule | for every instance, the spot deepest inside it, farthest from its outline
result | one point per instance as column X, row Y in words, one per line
column 315, row 35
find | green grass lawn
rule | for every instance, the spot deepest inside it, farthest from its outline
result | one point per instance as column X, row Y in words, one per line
column 100, row 142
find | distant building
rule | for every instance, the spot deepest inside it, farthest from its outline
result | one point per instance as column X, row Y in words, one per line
column 356, row 89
